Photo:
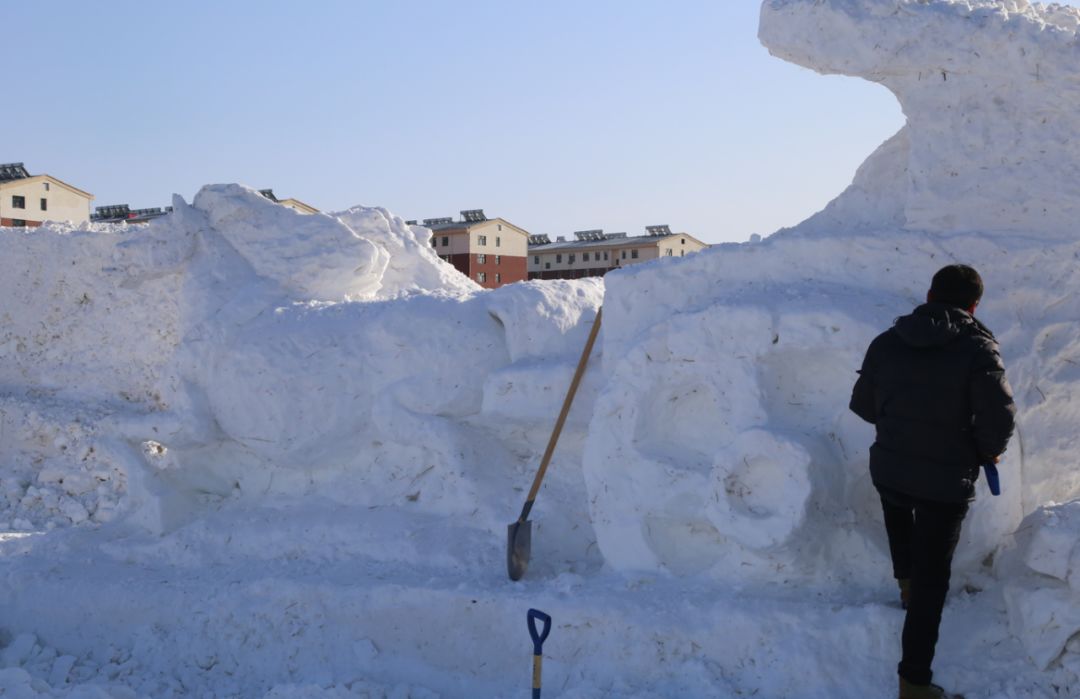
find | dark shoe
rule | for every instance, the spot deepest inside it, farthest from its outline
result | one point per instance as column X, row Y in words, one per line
column 924, row 691
column 905, row 591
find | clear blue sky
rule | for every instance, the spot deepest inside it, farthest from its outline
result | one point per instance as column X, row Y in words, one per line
column 559, row 116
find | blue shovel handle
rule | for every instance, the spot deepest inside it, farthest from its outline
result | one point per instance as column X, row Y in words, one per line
column 992, row 478
column 538, row 639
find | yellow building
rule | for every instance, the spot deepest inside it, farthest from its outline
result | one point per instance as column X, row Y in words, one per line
column 27, row 200
column 294, row 204
column 595, row 253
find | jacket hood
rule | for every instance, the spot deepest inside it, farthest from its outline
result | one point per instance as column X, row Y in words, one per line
column 936, row 325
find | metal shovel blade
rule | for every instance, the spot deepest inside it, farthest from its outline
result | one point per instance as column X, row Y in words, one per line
column 518, row 548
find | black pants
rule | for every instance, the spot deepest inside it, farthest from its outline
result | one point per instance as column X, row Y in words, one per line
column 922, row 538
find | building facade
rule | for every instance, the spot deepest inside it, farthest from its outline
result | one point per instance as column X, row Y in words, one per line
column 491, row 252
column 595, row 253
column 30, row 200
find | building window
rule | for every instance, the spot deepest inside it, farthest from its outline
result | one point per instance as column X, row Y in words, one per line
column 481, row 240
column 605, row 256
column 547, row 265
column 682, row 253
column 445, row 240
column 572, row 258
column 500, row 226
column 633, row 254
column 46, row 186
column 584, row 257
column 481, row 259
column 498, row 259
column 44, row 204
column 558, row 258
column 669, row 252
column 18, row 202
column 536, row 259
column 498, row 278
column 481, row 277
column 434, row 242
column 683, row 241
column 498, row 241
column 624, row 254
column 19, row 223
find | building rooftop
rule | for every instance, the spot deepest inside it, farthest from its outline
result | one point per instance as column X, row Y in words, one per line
column 116, row 213
column 468, row 218
column 13, row 171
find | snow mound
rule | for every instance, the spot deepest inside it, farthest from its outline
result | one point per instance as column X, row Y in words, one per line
column 1042, row 595
column 154, row 367
column 989, row 91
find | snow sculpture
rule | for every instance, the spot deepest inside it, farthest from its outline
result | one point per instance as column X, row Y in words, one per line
column 989, row 89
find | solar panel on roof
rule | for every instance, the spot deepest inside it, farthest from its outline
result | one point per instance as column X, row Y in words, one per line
column 592, row 234
column 658, row 230
column 438, row 221
column 473, row 215
column 268, row 193
column 13, row 171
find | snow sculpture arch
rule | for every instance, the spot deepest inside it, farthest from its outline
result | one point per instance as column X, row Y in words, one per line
column 988, row 88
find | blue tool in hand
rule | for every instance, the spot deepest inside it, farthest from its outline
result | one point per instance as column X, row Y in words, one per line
column 992, row 479
column 538, row 638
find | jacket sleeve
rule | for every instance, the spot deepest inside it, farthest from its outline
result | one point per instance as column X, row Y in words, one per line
column 992, row 406
column 862, row 396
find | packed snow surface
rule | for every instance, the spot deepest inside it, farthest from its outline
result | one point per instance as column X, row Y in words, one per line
column 246, row 452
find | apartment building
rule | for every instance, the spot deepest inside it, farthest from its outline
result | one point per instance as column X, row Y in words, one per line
column 491, row 252
column 294, row 204
column 594, row 253
column 30, row 200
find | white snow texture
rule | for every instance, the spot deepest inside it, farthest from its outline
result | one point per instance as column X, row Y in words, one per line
column 248, row 452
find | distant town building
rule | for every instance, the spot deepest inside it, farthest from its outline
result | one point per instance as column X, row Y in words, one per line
column 491, row 252
column 122, row 213
column 294, row 204
column 595, row 253
column 30, row 200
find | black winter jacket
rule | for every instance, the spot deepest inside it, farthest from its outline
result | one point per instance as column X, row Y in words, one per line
column 934, row 387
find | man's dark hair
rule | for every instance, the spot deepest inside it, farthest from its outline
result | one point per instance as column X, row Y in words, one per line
column 956, row 285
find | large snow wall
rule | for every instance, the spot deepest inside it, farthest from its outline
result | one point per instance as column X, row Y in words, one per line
column 721, row 440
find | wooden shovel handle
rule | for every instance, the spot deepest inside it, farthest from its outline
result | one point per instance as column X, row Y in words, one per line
column 567, row 402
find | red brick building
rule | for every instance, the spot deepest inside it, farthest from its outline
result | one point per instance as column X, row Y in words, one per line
column 491, row 252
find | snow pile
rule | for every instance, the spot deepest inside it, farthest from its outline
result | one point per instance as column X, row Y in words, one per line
column 1042, row 592
column 989, row 91
column 128, row 351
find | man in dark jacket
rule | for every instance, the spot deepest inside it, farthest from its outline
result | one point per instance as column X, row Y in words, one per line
column 934, row 387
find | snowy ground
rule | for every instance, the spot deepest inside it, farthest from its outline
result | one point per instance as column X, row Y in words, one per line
column 250, row 453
